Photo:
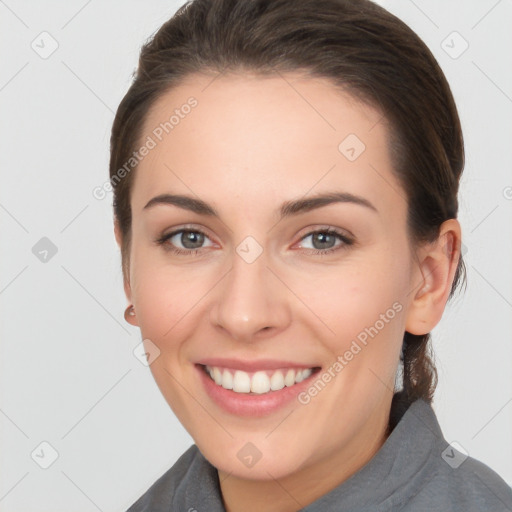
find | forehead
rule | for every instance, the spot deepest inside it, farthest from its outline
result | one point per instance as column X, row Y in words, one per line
column 258, row 139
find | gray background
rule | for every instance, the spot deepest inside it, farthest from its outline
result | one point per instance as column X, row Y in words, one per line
column 68, row 374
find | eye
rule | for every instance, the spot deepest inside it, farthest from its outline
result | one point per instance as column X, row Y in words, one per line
column 324, row 241
column 188, row 241
column 191, row 241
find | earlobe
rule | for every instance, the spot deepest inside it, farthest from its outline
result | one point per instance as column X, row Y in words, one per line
column 129, row 315
column 437, row 264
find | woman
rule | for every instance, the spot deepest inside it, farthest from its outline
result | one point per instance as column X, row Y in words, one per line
column 285, row 180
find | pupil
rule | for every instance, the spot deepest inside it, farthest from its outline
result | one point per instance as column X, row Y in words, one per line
column 193, row 238
column 323, row 237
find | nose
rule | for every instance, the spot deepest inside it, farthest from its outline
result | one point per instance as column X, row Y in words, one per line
column 251, row 302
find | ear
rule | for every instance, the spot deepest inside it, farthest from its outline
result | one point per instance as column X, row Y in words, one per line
column 437, row 264
column 117, row 233
column 126, row 275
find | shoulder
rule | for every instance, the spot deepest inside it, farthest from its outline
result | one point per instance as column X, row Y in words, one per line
column 458, row 482
column 160, row 495
column 435, row 475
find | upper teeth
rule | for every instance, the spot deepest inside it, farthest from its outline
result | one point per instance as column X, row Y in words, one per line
column 258, row 382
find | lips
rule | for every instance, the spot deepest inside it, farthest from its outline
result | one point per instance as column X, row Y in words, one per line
column 254, row 387
column 258, row 382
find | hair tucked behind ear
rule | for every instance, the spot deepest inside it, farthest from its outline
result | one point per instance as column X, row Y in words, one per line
column 418, row 368
column 363, row 50
column 419, row 375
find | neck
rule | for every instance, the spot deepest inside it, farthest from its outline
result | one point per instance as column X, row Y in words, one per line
column 301, row 488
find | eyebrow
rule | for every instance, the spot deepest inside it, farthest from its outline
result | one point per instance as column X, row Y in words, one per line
column 288, row 208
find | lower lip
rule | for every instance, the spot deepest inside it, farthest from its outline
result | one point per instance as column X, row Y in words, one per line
column 244, row 404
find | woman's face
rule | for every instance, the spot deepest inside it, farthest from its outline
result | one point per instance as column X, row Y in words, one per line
column 259, row 290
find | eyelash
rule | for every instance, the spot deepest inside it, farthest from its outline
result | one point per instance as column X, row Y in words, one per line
column 318, row 252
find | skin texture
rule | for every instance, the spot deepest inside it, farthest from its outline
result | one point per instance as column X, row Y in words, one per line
column 249, row 145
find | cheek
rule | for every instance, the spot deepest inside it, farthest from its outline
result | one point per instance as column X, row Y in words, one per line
column 160, row 295
column 168, row 298
column 360, row 306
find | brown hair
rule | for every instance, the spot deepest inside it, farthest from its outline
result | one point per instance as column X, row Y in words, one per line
column 361, row 48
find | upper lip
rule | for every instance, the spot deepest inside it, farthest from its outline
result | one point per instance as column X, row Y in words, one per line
column 253, row 365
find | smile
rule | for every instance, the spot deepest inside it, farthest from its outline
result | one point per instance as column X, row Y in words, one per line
column 259, row 382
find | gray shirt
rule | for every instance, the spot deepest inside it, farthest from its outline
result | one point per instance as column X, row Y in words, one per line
column 414, row 470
